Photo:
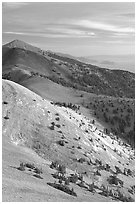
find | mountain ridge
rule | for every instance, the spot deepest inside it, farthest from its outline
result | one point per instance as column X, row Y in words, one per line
column 68, row 72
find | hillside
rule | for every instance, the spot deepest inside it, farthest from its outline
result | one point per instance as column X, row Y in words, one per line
column 22, row 61
column 37, row 132
column 62, row 79
column 116, row 114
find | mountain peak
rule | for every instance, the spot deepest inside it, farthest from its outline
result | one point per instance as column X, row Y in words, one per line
column 22, row 45
column 15, row 43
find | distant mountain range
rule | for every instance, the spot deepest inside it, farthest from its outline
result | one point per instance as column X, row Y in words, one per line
column 124, row 62
column 21, row 61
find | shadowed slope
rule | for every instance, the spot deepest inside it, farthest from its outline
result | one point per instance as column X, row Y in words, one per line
column 18, row 56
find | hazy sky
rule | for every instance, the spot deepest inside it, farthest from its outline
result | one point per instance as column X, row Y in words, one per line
column 80, row 29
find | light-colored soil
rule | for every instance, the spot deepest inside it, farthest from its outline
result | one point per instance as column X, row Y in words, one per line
column 27, row 120
column 21, row 186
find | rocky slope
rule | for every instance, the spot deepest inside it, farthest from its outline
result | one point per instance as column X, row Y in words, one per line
column 36, row 130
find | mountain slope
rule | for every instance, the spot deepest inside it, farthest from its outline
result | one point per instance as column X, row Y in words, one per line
column 19, row 56
column 33, row 125
column 63, row 79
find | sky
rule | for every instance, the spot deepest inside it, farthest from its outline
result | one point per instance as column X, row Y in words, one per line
column 79, row 29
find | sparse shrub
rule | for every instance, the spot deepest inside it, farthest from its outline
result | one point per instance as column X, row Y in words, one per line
column 81, row 160
column 111, row 193
column 61, row 169
column 80, row 177
column 38, row 176
column 115, row 150
column 73, row 178
column 37, row 145
column 97, row 173
column 131, row 191
column 129, row 172
column 91, row 187
column 5, row 102
column 105, row 190
column 51, row 127
column 124, row 198
column 63, row 188
column 55, row 164
column 59, row 131
column 93, row 121
column 67, row 181
column 61, row 142
column 125, row 171
column 118, row 170
column 115, row 180
column 38, row 171
column 21, row 167
column 60, row 181
column 107, row 167
column 98, row 162
column 56, row 175
column 6, row 117
column 57, row 118
column 91, row 140
column 29, row 165
column 106, row 131
column 81, row 184
column 58, row 126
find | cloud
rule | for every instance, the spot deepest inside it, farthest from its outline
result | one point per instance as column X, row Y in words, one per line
column 34, row 34
column 115, row 42
column 128, row 15
column 13, row 5
column 103, row 26
column 14, row 33
column 123, row 35
column 70, row 31
column 55, row 33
